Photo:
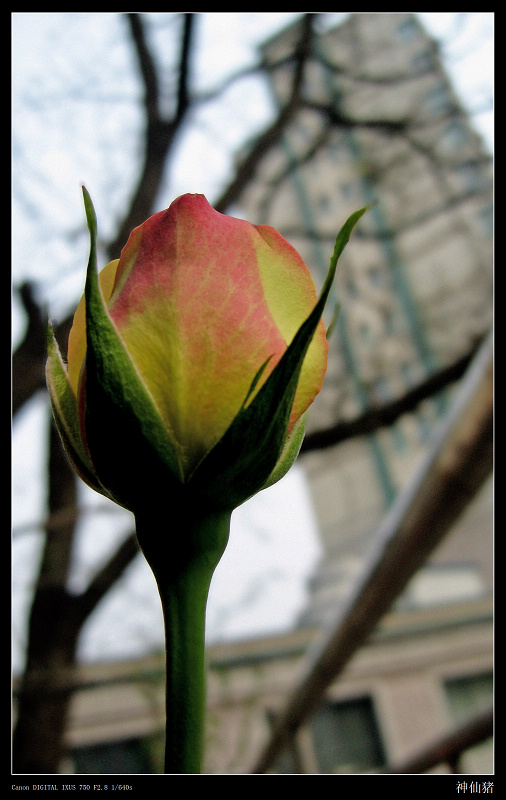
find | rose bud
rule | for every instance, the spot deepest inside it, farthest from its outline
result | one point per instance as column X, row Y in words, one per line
column 187, row 368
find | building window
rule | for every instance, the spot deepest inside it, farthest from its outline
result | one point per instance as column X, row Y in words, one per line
column 351, row 288
column 407, row 30
column 469, row 695
column 455, row 136
column 346, row 737
column 376, row 276
column 348, row 191
column 439, row 100
column 423, row 61
column 487, row 220
column 366, row 334
column 128, row 757
column 324, row 204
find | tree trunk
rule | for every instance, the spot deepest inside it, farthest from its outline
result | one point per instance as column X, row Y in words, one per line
column 43, row 701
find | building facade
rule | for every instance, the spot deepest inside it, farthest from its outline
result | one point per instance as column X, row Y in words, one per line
column 379, row 123
column 420, row 675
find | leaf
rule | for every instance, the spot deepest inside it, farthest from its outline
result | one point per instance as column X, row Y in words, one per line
column 64, row 405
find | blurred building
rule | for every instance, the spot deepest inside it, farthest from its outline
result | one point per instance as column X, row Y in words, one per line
column 379, row 122
column 422, row 674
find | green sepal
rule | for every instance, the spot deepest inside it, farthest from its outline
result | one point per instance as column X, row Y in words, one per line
column 65, row 414
column 291, row 449
column 130, row 447
column 242, row 462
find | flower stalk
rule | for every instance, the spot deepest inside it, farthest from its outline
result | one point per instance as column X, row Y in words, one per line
column 192, row 361
column 183, row 580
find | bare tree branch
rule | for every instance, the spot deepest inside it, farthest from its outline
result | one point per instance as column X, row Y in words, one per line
column 52, row 635
column 160, row 132
column 366, row 423
column 28, row 360
column 107, row 577
column 246, row 170
column 28, row 373
column 381, row 416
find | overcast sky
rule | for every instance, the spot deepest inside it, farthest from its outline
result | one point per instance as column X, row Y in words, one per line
column 75, row 87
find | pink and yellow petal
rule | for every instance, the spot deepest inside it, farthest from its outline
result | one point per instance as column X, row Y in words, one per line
column 192, row 313
column 291, row 296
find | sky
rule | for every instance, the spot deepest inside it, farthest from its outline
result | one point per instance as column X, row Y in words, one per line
column 63, row 111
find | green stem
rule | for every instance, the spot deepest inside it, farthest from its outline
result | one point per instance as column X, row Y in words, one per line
column 183, row 568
